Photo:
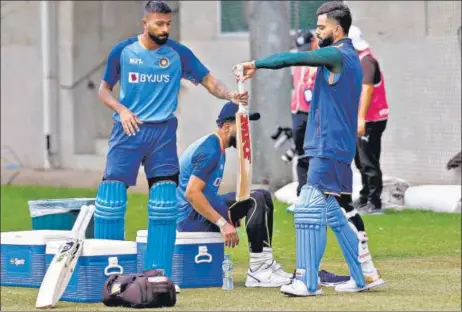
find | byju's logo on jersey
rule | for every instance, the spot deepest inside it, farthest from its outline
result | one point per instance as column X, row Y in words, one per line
column 136, row 61
column 164, row 62
column 133, row 77
column 140, row 78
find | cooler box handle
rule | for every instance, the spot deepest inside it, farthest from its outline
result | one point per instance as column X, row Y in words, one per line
column 113, row 264
column 203, row 252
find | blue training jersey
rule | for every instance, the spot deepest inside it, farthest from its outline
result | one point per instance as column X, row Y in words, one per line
column 204, row 159
column 150, row 79
column 332, row 124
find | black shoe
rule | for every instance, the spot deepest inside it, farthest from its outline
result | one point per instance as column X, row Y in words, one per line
column 328, row 279
column 370, row 209
column 359, row 203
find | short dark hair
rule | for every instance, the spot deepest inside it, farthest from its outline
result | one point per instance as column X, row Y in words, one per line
column 154, row 6
column 338, row 11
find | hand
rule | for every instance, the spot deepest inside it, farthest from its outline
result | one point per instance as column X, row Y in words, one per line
column 129, row 121
column 230, row 235
column 249, row 70
column 361, row 127
column 242, row 98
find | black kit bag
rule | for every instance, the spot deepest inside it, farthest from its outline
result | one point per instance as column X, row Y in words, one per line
column 150, row 289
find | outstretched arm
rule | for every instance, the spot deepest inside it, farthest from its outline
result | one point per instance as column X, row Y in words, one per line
column 219, row 90
column 329, row 57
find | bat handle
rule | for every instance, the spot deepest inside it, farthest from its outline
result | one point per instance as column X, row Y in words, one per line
column 240, row 86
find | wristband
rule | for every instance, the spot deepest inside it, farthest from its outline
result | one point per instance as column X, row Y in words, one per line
column 221, row 223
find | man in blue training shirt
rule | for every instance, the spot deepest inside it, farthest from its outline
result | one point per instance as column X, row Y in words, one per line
column 330, row 144
column 201, row 209
column 149, row 68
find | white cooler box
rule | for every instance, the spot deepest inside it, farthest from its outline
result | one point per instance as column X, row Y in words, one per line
column 197, row 258
column 99, row 259
column 23, row 256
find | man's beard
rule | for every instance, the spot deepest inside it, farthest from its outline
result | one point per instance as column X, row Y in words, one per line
column 326, row 41
column 156, row 39
column 232, row 141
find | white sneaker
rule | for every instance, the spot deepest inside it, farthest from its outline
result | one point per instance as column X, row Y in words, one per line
column 298, row 289
column 277, row 269
column 265, row 277
column 372, row 281
column 177, row 289
column 291, row 208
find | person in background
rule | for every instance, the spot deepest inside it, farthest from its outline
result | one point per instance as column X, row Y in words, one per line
column 303, row 82
column 372, row 121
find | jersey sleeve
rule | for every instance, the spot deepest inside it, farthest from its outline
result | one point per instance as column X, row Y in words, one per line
column 368, row 65
column 112, row 73
column 205, row 159
column 193, row 69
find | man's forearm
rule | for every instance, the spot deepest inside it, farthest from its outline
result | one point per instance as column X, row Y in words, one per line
column 217, row 88
column 365, row 100
column 106, row 96
column 203, row 207
column 330, row 57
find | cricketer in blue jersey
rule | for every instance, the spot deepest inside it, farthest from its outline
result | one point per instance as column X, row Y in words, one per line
column 330, row 144
column 149, row 68
column 202, row 209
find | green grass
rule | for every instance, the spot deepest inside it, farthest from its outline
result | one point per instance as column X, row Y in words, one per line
column 418, row 254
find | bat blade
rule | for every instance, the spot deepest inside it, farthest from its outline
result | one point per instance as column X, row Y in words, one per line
column 64, row 262
column 244, row 149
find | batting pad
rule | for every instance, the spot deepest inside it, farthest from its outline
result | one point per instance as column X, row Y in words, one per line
column 163, row 213
column 111, row 205
column 347, row 239
column 311, row 235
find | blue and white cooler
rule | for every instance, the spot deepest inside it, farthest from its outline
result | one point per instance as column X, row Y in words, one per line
column 197, row 258
column 23, row 256
column 99, row 259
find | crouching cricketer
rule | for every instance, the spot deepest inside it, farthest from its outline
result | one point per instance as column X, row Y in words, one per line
column 330, row 144
column 201, row 209
column 149, row 68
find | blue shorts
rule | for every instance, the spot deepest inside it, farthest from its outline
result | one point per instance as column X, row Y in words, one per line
column 330, row 176
column 154, row 147
column 195, row 222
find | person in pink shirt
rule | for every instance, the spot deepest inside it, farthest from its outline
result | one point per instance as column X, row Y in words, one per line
column 372, row 121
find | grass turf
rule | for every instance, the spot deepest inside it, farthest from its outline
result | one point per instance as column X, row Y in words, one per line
column 418, row 254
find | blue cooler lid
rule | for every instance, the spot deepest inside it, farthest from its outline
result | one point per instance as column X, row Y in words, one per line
column 187, row 238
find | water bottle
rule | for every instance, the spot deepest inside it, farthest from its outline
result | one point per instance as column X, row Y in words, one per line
column 227, row 268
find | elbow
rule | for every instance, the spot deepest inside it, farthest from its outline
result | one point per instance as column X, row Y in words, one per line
column 190, row 194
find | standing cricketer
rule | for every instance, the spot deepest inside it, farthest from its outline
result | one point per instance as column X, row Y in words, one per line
column 201, row 209
column 330, row 144
column 149, row 68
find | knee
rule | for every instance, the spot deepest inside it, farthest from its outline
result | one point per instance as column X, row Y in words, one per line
column 162, row 200
column 111, row 193
column 173, row 178
column 334, row 214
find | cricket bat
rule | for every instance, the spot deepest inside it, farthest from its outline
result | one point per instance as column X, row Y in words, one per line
column 243, row 146
column 63, row 264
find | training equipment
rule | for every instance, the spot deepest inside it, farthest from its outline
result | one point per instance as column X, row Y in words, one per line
column 23, row 256
column 149, row 289
column 111, row 205
column 347, row 239
column 311, row 238
column 196, row 260
column 163, row 212
column 99, row 259
column 243, row 146
column 62, row 266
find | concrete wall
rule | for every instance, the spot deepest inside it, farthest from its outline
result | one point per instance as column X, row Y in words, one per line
column 420, row 57
column 21, row 118
column 198, row 109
